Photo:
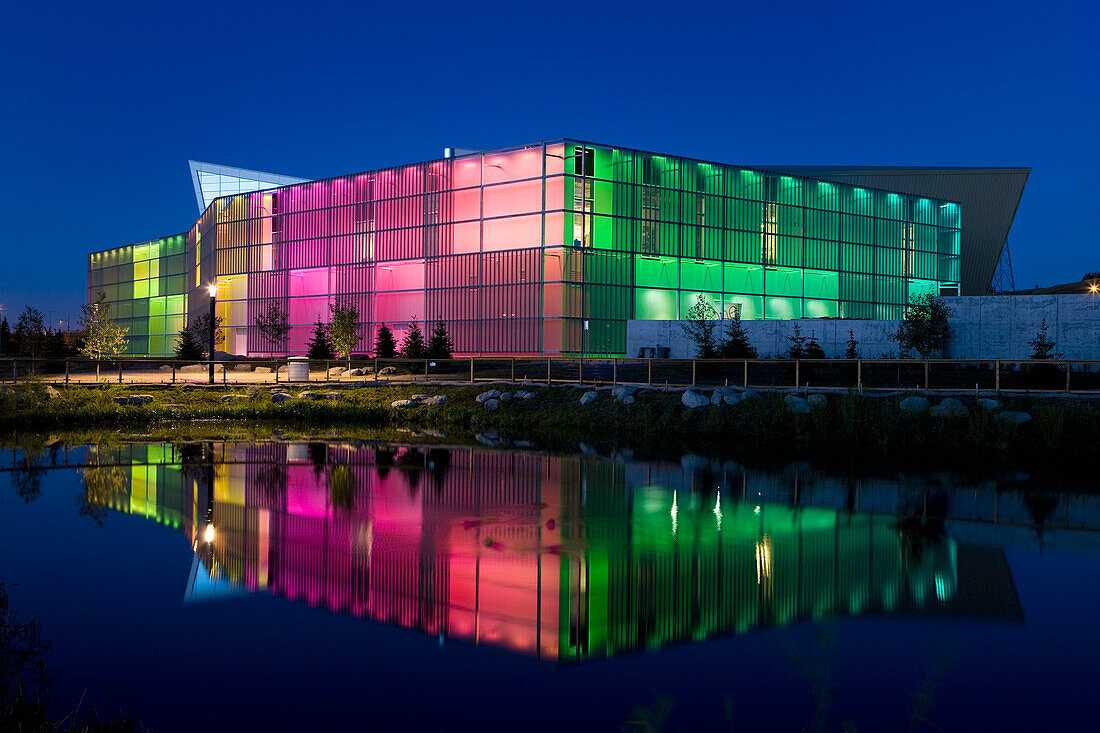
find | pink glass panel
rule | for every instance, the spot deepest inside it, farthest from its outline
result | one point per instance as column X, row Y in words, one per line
column 513, row 232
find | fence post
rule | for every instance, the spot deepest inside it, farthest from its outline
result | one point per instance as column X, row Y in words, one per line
column 649, row 372
column 927, row 366
column 614, row 371
column 120, row 371
column 1067, row 376
column 745, row 383
column 173, row 372
column 14, row 372
column 425, row 369
column 693, row 372
column 66, row 371
column 997, row 376
column 580, row 370
column 223, row 374
column 32, row 367
column 471, row 370
column 548, row 371
column 513, row 368
column 859, row 375
column 797, row 374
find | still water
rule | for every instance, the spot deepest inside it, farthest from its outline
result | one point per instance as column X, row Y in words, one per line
column 280, row 585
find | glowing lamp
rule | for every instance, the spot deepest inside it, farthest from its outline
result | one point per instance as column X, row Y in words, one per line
column 1094, row 288
column 212, row 289
column 208, row 534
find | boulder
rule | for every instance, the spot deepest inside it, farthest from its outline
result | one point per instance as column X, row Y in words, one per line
column 198, row 368
column 505, row 397
column 587, row 449
column 233, row 398
column 140, row 399
column 280, row 397
column 242, row 367
column 817, row 401
column 165, row 367
column 253, row 391
column 732, row 398
column 691, row 400
column 914, row 405
column 488, row 438
column 589, row 397
column 1009, row 417
column 491, row 404
column 622, row 390
column 419, row 397
column 52, row 393
column 796, row 405
column 484, row 397
column 332, row 395
column 122, row 400
column 750, row 394
column 439, row 399
column 387, row 370
column 989, row 405
column 309, row 395
column 399, row 404
column 262, row 370
column 336, row 371
column 948, row 408
column 523, row 444
column 627, row 399
column 716, row 397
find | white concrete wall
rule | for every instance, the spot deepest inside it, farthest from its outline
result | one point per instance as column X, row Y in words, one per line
column 985, row 327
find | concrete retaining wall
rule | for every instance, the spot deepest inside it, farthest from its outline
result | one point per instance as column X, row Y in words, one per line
column 985, row 327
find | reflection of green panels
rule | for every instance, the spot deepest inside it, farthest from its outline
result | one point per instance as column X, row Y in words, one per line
column 821, row 255
column 744, row 247
column 850, row 309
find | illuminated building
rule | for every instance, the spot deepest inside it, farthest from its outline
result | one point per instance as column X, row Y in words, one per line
column 550, row 248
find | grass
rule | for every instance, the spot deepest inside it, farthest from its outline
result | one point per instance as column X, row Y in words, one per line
column 866, row 428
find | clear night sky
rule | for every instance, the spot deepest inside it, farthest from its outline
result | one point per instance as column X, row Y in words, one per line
column 103, row 107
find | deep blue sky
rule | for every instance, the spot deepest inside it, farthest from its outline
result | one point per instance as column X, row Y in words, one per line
column 103, row 107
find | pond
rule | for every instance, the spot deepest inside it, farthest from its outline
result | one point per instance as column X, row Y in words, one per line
column 299, row 585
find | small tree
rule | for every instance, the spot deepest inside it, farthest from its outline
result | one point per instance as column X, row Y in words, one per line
column 735, row 342
column 273, row 326
column 319, row 346
column 813, row 349
column 200, row 328
column 413, row 345
column 5, row 337
column 188, row 346
column 925, row 328
column 798, row 344
column 103, row 338
column 1042, row 346
column 30, row 331
column 344, row 328
column 385, row 346
column 852, row 352
column 699, row 327
column 439, row 345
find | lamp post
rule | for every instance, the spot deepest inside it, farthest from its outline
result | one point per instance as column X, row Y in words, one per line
column 213, row 290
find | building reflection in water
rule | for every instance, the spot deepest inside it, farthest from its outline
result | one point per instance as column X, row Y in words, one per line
column 562, row 557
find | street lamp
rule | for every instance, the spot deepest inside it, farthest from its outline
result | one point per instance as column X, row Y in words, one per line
column 213, row 290
column 1094, row 287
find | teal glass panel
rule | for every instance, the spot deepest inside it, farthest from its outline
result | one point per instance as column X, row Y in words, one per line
column 822, row 285
column 744, row 279
column 782, row 308
column 783, row 281
column 752, row 306
column 821, row 308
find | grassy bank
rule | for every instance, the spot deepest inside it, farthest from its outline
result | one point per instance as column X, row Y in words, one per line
column 862, row 427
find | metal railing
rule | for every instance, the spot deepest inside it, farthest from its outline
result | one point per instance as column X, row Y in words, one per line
column 972, row 375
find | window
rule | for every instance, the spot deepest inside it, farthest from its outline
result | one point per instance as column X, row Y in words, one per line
column 651, row 211
column 767, row 233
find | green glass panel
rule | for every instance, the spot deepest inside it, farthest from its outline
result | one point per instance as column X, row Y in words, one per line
column 688, row 298
column 656, row 272
column 701, row 274
column 923, row 287
column 157, row 306
column 782, row 308
column 744, row 279
column 655, row 305
column 822, row 285
column 821, row 308
column 783, row 281
column 752, row 306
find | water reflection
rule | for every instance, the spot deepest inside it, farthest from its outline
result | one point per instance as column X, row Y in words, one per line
column 561, row 557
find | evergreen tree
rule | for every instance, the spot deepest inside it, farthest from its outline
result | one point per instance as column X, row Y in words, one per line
column 699, row 327
column 273, row 326
column 344, row 328
column 413, row 345
column 852, row 352
column 735, row 343
column 385, row 347
column 1042, row 346
column 5, row 337
column 798, row 344
column 439, row 345
column 188, row 346
column 201, row 328
column 319, row 346
column 813, row 348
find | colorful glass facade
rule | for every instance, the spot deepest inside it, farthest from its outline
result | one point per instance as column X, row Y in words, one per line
column 551, row 248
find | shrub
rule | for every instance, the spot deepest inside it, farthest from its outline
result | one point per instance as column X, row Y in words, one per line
column 925, row 328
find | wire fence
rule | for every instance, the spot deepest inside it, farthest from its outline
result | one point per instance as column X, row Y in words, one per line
column 842, row 374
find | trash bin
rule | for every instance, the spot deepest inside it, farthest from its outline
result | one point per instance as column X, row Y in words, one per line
column 662, row 352
column 297, row 369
